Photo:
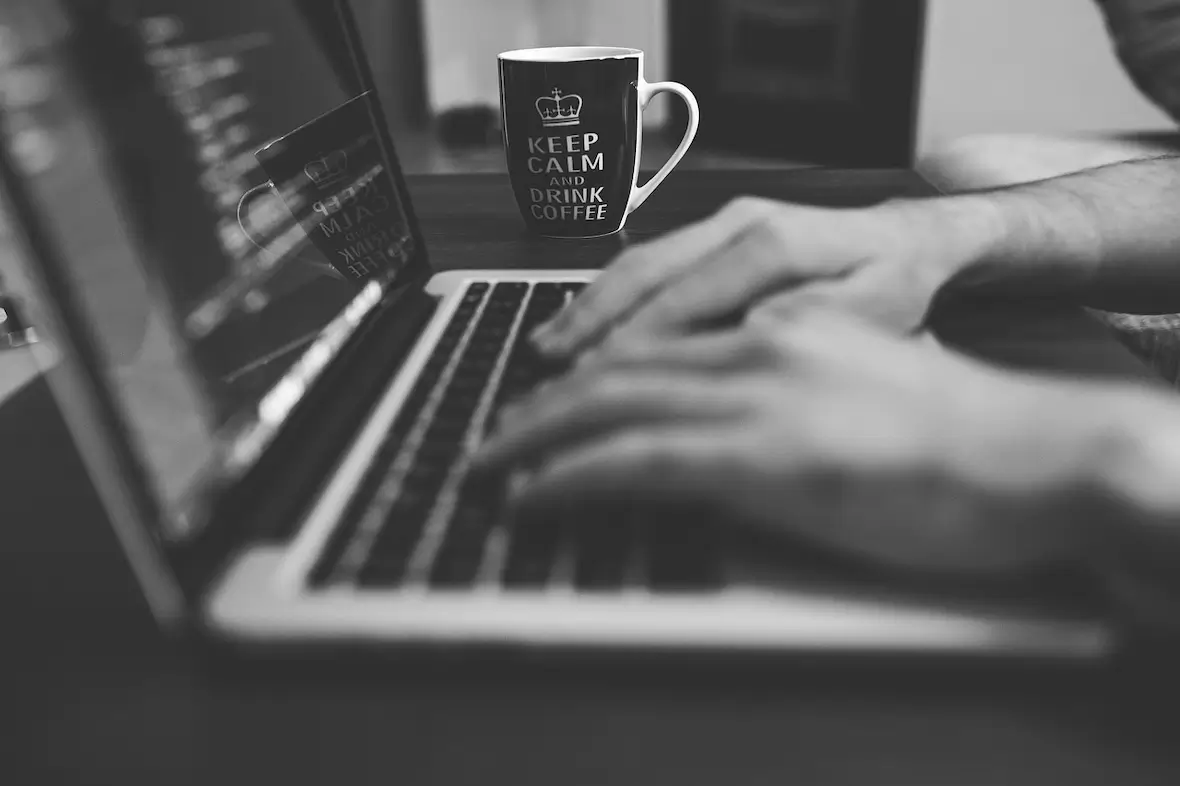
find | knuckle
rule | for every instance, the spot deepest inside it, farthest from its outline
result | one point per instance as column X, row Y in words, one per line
column 626, row 271
column 769, row 247
column 771, row 233
column 629, row 259
column 747, row 206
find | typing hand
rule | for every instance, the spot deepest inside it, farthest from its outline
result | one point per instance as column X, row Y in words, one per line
column 889, row 448
column 884, row 263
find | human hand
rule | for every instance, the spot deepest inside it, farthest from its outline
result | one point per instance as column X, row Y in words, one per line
column 883, row 263
column 890, row 449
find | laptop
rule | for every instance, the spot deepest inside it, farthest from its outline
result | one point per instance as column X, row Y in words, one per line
column 284, row 454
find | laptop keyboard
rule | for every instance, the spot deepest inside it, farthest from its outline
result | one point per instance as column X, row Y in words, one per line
column 419, row 518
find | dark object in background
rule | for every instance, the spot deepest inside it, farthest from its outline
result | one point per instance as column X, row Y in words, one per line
column 572, row 136
column 822, row 81
column 469, row 126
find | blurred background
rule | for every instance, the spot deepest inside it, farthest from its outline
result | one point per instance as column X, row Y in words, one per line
column 780, row 82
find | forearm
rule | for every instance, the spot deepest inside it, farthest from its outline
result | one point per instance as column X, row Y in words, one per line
column 1106, row 237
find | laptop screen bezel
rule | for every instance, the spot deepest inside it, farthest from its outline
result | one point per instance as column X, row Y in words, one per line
column 173, row 574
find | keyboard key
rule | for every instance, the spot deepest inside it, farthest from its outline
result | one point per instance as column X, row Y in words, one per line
column 382, row 573
column 415, row 496
column 683, row 553
column 506, row 290
column 532, row 550
column 447, row 430
column 390, row 553
column 469, row 526
column 603, row 539
column 461, row 553
column 405, row 520
column 484, row 490
column 453, row 570
column 438, row 452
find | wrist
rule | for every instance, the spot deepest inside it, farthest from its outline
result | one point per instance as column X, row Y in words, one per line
column 953, row 235
column 1030, row 240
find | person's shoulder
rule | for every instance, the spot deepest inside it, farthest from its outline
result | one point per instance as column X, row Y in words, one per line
column 1146, row 35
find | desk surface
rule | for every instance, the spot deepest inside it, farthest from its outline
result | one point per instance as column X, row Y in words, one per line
column 101, row 698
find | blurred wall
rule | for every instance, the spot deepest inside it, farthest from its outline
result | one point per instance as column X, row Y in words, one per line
column 1034, row 66
column 1044, row 66
column 463, row 37
column 390, row 30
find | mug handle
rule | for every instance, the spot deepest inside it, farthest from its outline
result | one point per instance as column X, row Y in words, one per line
column 646, row 91
column 244, row 202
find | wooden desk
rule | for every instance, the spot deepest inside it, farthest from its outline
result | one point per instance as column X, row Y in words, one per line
column 96, row 696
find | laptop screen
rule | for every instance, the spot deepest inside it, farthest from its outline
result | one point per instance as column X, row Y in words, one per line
column 218, row 185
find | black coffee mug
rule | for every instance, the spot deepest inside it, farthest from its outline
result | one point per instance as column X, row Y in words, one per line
column 330, row 174
column 573, row 129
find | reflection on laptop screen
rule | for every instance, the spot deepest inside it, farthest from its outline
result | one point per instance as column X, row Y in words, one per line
column 208, row 312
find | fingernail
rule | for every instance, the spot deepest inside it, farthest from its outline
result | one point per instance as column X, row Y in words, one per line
column 555, row 348
column 550, row 327
column 545, row 340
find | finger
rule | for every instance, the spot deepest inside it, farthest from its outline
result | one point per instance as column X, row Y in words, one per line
column 655, row 464
column 753, row 267
column 872, row 295
column 577, row 408
column 797, row 302
column 728, row 350
column 639, row 272
column 821, row 332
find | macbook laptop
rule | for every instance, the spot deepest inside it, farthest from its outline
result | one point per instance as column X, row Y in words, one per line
column 284, row 453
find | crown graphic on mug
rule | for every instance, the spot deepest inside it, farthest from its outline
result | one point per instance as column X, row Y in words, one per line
column 559, row 110
column 329, row 170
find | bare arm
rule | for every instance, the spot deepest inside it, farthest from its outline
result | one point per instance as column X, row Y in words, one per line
column 1108, row 237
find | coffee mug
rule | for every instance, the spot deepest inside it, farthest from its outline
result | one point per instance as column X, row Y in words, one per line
column 331, row 176
column 573, row 129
